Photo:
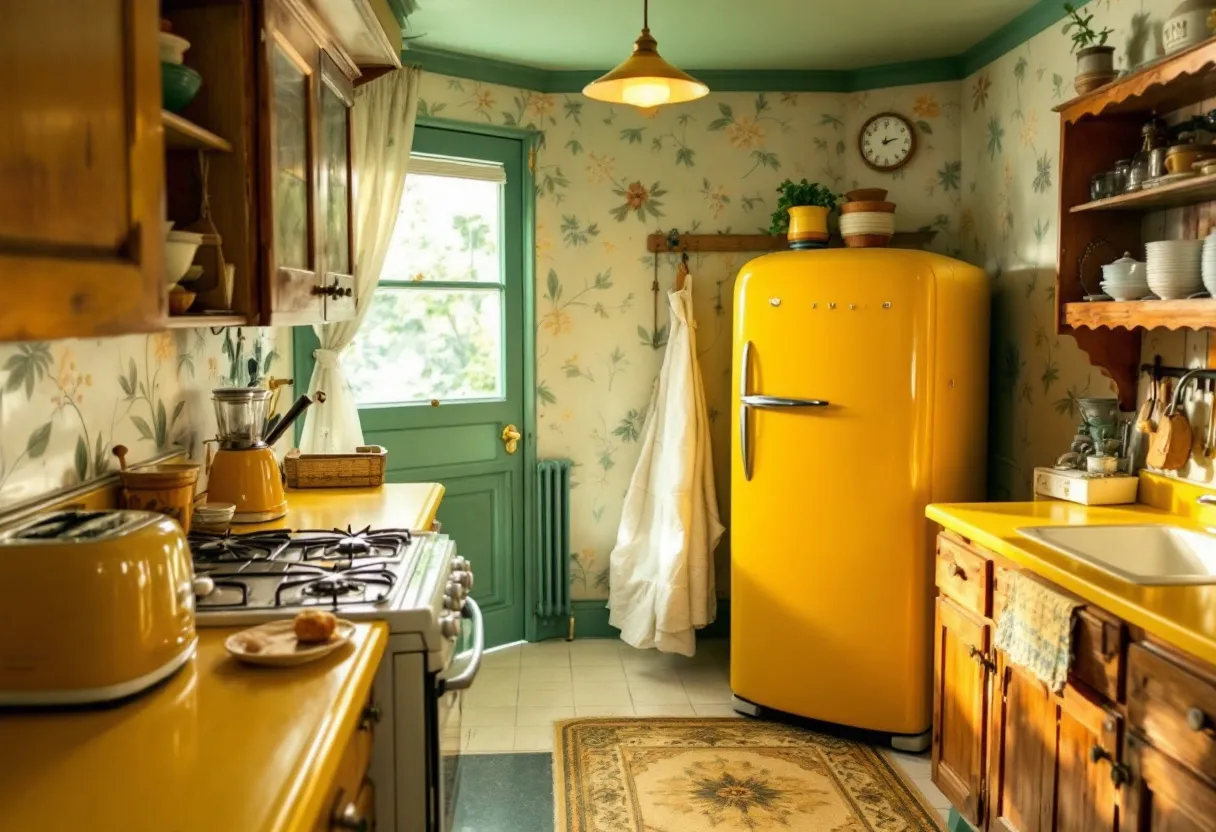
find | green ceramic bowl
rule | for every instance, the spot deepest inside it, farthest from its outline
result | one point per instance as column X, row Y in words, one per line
column 178, row 86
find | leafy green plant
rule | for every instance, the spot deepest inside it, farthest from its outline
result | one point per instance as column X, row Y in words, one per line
column 1082, row 34
column 794, row 194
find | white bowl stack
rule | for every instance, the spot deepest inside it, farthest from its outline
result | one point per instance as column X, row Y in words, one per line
column 1208, row 269
column 1174, row 268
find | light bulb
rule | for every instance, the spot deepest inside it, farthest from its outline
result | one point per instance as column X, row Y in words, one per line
column 645, row 92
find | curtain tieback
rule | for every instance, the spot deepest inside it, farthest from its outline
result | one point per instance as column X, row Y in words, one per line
column 327, row 358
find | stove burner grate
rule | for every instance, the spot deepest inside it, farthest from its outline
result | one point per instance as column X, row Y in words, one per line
column 206, row 547
column 371, row 579
column 348, row 544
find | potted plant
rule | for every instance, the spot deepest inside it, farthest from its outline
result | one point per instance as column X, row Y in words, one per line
column 1095, row 60
column 802, row 213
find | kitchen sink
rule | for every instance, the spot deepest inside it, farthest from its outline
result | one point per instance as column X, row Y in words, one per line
column 1150, row 554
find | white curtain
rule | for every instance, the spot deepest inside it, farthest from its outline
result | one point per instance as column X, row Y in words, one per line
column 661, row 575
column 383, row 132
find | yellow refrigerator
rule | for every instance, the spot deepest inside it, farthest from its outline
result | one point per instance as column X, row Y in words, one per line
column 860, row 393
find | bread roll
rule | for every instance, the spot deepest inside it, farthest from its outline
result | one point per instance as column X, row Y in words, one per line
column 315, row 626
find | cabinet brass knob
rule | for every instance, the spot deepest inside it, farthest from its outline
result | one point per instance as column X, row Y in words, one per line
column 1197, row 720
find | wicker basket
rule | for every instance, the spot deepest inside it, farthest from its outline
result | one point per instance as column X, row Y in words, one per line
column 362, row 469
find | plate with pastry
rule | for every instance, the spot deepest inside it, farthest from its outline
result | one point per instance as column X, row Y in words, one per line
column 305, row 638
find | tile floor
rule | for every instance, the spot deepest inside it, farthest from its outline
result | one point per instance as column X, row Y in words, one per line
column 522, row 690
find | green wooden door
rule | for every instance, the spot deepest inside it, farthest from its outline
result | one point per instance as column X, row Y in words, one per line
column 441, row 362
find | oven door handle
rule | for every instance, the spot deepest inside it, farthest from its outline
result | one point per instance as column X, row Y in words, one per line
column 464, row 680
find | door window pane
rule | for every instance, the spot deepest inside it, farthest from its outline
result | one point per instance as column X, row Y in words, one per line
column 449, row 229
column 419, row 344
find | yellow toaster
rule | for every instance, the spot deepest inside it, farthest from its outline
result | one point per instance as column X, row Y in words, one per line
column 99, row 606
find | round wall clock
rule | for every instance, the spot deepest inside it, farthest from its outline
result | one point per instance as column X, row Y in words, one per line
column 887, row 142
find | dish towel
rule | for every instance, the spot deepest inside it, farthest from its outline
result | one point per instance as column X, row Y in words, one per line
column 1035, row 630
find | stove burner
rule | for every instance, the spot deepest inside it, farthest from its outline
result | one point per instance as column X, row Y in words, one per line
column 229, row 547
column 352, row 546
column 334, row 586
column 317, row 544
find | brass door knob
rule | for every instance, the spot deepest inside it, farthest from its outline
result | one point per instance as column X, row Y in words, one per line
column 510, row 438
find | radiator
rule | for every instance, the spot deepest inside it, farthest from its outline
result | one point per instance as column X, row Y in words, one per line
column 552, row 566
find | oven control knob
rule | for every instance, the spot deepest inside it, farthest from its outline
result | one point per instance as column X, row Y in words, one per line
column 460, row 564
column 465, row 579
column 449, row 626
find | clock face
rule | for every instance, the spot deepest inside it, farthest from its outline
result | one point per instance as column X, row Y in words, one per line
column 887, row 141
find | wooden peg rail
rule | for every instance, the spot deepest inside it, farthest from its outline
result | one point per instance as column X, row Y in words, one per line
column 659, row 243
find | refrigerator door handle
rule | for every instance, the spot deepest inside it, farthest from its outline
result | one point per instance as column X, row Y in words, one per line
column 781, row 401
column 744, row 411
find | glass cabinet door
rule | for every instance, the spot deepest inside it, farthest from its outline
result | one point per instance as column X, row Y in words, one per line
column 291, row 186
column 336, row 197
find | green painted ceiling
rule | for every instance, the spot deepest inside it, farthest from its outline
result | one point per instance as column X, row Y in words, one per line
column 711, row 34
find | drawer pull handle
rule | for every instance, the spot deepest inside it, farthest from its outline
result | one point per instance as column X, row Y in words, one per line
column 959, row 572
column 981, row 657
column 1197, row 720
column 346, row 816
column 1119, row 773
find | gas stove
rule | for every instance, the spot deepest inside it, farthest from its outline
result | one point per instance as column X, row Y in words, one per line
column 280, row 570
column 411, row 580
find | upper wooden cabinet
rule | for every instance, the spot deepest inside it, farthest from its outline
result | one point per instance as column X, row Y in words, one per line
column 90, row 178
column 305, row 116
column 81, row 167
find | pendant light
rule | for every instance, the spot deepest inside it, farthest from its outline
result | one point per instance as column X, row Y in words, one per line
column 645, row 80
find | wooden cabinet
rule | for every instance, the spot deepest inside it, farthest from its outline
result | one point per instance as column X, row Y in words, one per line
column 352, row 803
column 1129, row 745
column 1022, row 737
column 307, row 205
column 1163, row 796
column 81, row 159
column 1090, row 773
column 960, row 706
column 87, row 193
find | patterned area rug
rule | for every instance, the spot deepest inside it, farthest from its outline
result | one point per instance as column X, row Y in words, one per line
column 723, row 775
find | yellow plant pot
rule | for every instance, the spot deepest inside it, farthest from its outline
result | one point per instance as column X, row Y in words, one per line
column 808, row 223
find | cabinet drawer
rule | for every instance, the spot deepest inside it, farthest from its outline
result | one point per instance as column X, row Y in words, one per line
column 1097, row 652
column 964, row 575
column 1174, row 709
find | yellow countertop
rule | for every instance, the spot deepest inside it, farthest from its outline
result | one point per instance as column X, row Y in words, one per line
column 219, row 746
column 1184, row 616
column 401, row 505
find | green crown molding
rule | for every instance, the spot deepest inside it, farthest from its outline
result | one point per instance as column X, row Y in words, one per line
column 1023, row 27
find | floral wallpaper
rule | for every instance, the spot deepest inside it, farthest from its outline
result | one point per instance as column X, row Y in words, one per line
column 65, row 404
column 1009, row 223
column 607, row 176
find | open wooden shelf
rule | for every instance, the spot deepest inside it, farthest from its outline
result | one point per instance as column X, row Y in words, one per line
column 1167, row 84
column 193, row 321
column 765, row 242
column 1199, row 313
column 183, row 134
column 1185, row 192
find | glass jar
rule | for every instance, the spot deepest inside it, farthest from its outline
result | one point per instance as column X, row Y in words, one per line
column 1098, row 186
column 1123, row 169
